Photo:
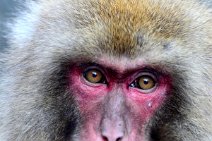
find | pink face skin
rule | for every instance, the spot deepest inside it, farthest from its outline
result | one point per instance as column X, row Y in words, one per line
column 115, row 111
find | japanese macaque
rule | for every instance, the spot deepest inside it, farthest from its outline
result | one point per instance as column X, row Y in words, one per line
column 108, row 70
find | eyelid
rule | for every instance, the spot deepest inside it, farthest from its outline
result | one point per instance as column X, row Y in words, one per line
column 137, row 75
column 94, row 67
column 88, row 65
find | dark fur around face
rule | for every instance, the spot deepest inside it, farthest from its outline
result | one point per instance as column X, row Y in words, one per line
column 173, row 36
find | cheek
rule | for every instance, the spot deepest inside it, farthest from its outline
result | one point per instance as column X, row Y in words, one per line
column 148, row 104
column 85, row 92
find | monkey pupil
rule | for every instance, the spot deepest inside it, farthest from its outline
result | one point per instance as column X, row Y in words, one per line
column 146, row 81
column 94, row 74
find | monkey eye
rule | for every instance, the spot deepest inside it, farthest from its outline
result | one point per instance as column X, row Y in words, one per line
column 94, row 76
column 144, row 82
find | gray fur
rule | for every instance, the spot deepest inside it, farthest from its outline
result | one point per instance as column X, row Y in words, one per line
column 45, row 41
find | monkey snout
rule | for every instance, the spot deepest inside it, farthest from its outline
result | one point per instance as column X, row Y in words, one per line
column 113, row 130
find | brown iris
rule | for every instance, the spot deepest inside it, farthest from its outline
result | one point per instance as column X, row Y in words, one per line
column 146, row 82
column 93, row 76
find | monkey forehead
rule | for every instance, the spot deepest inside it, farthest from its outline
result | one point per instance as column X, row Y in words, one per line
column 122, row 63
column 122, row 26
column 117, row 27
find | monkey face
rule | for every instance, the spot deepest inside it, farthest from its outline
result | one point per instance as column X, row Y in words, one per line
column 117, row 101
column 108, row 70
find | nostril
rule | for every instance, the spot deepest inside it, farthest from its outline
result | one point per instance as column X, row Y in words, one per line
column 106, row 139
column 116, row 132
column 119, row 139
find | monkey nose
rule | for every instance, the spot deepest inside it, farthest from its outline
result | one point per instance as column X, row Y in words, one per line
column 112, row 139
column 115, row 136
column 113, row 132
